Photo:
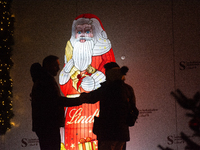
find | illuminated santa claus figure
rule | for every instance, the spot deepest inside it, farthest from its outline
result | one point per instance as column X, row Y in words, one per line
column 87, row 51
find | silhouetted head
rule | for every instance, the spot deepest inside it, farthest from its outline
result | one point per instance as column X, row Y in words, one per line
column 51, row 64
column 114, row 72
column 35, row 71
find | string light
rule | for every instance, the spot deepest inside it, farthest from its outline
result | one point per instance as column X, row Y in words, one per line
column 6, row 41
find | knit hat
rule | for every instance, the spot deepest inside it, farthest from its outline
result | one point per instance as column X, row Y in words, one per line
column 114, row 72
column 111, row 65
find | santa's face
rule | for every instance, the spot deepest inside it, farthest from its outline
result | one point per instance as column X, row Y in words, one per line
column 88, row 40
column 84, row 30
column 82, row 52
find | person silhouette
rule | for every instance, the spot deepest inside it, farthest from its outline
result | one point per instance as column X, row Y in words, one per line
column 48, row 104
column 115, row 97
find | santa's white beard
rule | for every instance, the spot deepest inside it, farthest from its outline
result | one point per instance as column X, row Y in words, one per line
column 82, row 54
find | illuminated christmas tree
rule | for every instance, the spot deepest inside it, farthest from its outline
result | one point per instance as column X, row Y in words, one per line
column 6, row 41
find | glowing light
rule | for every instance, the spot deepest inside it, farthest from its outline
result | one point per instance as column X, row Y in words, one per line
column 123, row 57
column 79, row 120
column 5, row 93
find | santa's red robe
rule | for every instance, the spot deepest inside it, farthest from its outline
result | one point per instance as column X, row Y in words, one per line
column 75, row 131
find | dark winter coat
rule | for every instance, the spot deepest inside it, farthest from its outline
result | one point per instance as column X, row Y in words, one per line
column 113, row 99
column 47, row 103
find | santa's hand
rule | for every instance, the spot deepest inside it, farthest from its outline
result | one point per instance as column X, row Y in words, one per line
column 92, row 82
column 87, row 83
column 98, row 77
column 63, row 77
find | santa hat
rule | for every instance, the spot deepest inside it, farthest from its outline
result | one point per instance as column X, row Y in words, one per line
column 89, row 19
column 89, row 16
